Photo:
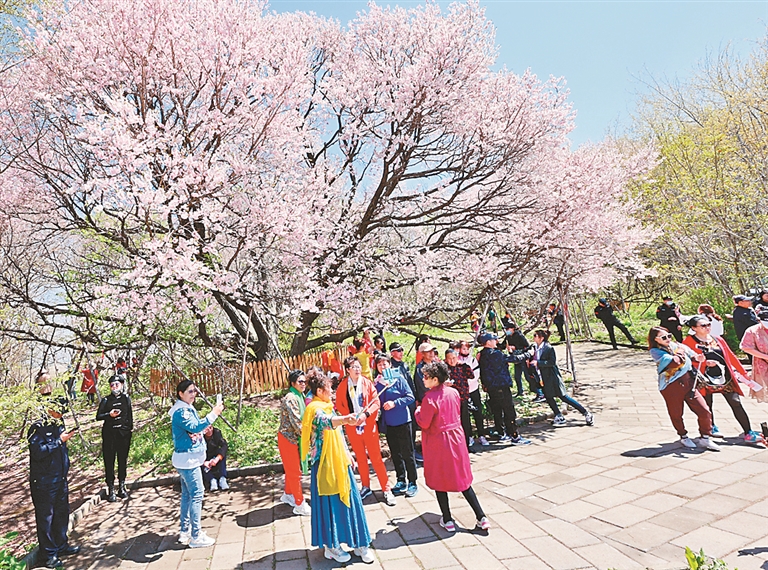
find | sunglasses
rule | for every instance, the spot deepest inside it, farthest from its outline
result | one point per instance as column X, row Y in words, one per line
column 301, row 381
column 708, row 325
column 664, row 337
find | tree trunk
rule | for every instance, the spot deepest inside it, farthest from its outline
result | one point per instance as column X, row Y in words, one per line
column 301, row 337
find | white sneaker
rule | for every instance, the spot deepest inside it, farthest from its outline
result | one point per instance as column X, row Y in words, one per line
column 687, row 442
column 288, row 500
column 302, row 510
column 558, row 421
column 483, row 441
column 337, row 554
column 389, row 498
column 365, row 553
column 450, row 526
column 214, row 485
column 202, row 541
column 707, row 443
column 471, row 441
column 223, row 485
column 184, row 537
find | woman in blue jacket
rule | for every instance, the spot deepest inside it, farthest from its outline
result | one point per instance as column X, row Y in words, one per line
column 396, row 400
column 551, row 379
column 188, row 455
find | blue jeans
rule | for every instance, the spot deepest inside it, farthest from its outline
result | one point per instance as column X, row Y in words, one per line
column 191, row 500
column 566, row 399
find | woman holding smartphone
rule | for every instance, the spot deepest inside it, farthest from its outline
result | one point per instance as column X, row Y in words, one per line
column 337, row 509
column 117, row 414
column 188, row 455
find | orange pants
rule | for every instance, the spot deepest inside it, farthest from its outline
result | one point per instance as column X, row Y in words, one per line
column 368, row 442
column 289, row 453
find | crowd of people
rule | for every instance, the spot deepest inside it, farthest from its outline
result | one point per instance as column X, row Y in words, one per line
column 441, row 397
column 372, row 392
column 692, row 370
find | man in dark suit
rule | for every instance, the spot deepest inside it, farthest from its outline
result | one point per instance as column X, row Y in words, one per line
column 604, row 312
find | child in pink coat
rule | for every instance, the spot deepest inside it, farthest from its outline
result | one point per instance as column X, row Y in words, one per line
column 446, row 460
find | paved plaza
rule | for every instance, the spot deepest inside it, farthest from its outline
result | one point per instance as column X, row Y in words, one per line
column 622, row 494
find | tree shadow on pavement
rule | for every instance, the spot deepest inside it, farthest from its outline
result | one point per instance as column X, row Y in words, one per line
column 142, row 549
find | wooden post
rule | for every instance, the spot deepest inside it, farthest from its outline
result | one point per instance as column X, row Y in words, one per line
column 568, row 346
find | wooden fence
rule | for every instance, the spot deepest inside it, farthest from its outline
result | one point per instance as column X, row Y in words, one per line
column 260, row 377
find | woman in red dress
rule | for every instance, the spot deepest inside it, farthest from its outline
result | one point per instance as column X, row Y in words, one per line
column 446, row 460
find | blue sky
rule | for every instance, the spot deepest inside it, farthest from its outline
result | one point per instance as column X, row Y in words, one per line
column 605, row 50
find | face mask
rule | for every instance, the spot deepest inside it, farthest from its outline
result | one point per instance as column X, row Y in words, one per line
column 117, row 391
column 669, row 303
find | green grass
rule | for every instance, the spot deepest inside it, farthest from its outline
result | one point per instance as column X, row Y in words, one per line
column 254, row 443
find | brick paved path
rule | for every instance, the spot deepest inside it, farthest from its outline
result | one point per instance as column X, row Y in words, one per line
column 621, row 494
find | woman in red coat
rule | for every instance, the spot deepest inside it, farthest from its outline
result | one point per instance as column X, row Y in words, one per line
column 446, row 460
column 725, row 369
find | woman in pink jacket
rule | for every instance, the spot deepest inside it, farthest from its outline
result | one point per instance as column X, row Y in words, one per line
column 446, row 460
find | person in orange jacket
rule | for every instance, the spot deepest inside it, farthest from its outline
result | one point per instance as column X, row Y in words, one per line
column 356, row 394
column 330, row 362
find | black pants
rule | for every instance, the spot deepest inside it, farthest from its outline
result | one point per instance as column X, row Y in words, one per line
column 469, row 495
column 477, row 413
column 401, row 448
column 414, row 427
column 612, row 335
column 738, row 410
column 51, row 502
column 672, row 328
column 560, row 330
column 503, row 408
column 115, row 444
column 466, row 424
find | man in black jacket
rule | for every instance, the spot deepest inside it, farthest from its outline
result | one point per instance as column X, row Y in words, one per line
column 494, row 375
column 48, row 469
column 557, row 317
column 604, row 312
column 515, row 340
column 215, row 466
column 743, row 315
column 669, row 317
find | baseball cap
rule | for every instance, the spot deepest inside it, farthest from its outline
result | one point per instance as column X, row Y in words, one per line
column 395, row 346
column 426, row 347
column 485, row 337
column 740, row 298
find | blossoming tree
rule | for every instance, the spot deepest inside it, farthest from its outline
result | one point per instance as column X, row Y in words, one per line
column 209, row 166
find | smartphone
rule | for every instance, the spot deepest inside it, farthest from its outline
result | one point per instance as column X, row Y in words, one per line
column 72, row 430
column 218, row 400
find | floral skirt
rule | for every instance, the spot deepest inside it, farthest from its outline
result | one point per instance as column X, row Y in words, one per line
column 333, row 522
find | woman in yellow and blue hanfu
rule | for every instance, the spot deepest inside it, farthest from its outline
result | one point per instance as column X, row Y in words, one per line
column 337, row 510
